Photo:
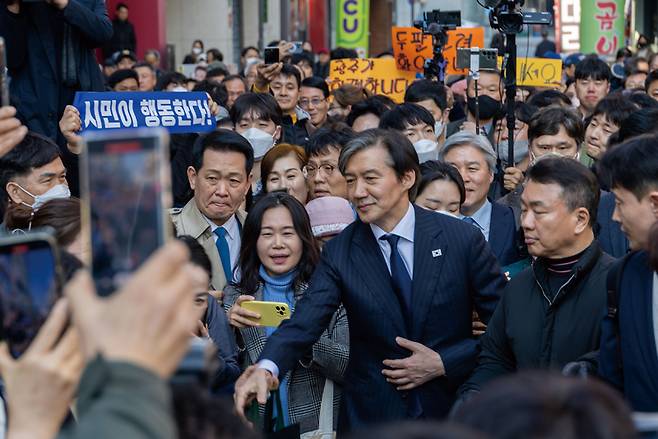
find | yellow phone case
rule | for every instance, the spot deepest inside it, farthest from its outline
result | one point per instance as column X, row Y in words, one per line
column 271, row 313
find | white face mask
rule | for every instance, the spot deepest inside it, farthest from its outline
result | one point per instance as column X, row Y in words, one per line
column 197, row 51
column 260, row 140
column 427, row 150
column 438, row 128
column 54, row 193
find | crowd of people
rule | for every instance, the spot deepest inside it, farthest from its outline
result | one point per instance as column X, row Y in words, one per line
column 434, row 285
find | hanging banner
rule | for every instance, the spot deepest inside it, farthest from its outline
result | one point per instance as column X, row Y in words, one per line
column 353, row 25
column 602, row 27
column 567, row 25
column 377, row 75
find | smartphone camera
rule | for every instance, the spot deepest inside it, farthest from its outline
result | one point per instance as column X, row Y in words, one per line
column 271, row 55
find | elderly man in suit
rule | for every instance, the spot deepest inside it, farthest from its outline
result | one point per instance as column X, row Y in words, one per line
column 220, row 178
column 409, row 280
column 475, row 159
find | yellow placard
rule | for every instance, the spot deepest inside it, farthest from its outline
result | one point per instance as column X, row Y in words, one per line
column 379, row 76
column 537, row 72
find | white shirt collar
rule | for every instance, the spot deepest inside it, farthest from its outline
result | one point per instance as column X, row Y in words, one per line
column 231, row 226
column 404, row 229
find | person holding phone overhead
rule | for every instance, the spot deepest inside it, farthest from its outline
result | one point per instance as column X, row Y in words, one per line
column 277, row 257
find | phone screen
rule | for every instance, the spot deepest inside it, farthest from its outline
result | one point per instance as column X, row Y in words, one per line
column 126, row 206
column 28, row 290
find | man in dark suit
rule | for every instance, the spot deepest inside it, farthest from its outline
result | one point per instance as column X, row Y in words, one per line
column 475, row 159
column 409, row 280
column 629, row 341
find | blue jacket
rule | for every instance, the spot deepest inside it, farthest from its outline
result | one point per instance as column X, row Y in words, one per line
column 454, row 273
column 609, row 234
column 628, row 359
column 35, row 40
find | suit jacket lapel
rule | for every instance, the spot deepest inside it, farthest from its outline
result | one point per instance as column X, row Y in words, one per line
column 429, row 253
column 368, row 260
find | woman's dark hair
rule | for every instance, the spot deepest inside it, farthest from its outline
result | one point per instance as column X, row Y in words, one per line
column 406, row 114
column 63, row 215
column 198, row 255
column 217, row 55
column 198, row 41
column 263, row 105
column 436, row 170
column 250, row 263
column 280, row 151
column 244, row 51
column 170, row 78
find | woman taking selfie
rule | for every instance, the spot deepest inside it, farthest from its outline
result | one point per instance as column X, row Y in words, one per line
column 277, row 257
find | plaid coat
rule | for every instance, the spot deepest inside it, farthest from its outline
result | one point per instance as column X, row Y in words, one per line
column 328, row 359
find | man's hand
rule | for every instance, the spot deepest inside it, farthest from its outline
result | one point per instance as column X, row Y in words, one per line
column 265, row 73
column 240, row 317
column 70, row 125
column 59, row 4
column 513, row 178
column 479, row 327
column 11, row 131
column 150, row 320
column 40, row 384
column 256, row 383
column 422, row 366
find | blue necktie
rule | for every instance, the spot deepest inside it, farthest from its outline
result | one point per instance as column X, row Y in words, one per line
column 224, row 253
column 400, row 276
column 403, row 289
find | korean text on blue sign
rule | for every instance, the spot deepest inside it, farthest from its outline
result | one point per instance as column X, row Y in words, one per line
column 178, row 112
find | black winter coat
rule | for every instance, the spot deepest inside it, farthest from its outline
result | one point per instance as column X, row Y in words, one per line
column 530, row 331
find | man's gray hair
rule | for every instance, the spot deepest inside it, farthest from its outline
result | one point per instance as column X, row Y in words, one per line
column 464, row 138
column 363, row 140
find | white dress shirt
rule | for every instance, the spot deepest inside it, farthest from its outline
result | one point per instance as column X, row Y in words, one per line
column 405, row 230
column 232, row 238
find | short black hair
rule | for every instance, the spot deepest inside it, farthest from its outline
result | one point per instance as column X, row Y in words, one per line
column 121, row 5
column 234, row 78
column 615, row 107
column 198, row 255
column 217, row 92
column 122, row 75
column 219, row 56
column 425, row 89
column 144, row 64
column 402, row 154
column 289, row 70
column 372, row 105
column 222, row 140
column 546, row 98
column 263, row 105
column 343, row 53
column 547, row 122
column 34, row 151
column 317, row 82
column 633, row 165
column 304, row 56
column 593, row 68
column 580, row 187
column 244, row 51
column 324, row 139
column 170, row 78
column 651, row 77
column 216, row 72
column 642, row 99
column 406, row 114
column 433, row 170
column 643, row 121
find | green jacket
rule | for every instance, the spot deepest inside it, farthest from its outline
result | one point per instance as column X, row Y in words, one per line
column 121, row 400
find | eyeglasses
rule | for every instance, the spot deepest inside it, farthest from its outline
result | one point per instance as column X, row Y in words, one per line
column 315, row 102
column 327, row 169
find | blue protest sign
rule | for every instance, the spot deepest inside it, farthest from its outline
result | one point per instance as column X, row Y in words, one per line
column 178, row 112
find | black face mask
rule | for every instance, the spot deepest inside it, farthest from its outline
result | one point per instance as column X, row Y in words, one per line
column 489, row 107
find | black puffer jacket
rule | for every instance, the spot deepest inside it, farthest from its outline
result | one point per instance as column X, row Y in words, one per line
column 530, row 331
